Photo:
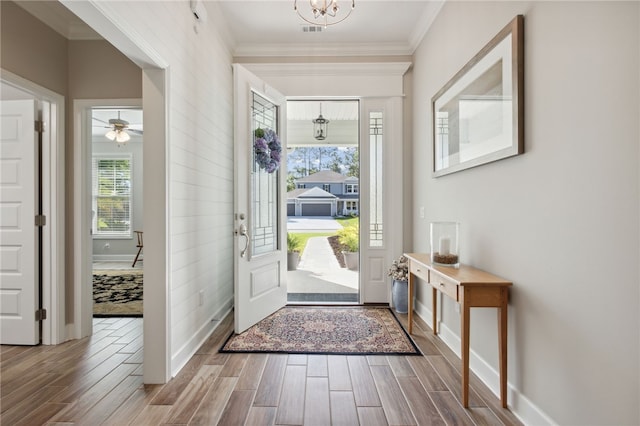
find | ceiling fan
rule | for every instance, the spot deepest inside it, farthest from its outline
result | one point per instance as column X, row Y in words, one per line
column 118, row 129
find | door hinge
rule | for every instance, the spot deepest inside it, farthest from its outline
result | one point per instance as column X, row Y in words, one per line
column 39, row 126
column 41, row 314
column 41, row 220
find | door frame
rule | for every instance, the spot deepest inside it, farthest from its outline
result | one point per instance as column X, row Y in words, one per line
column 155, row 88
column 53, row 196
column 83, row 241
column 380, row 85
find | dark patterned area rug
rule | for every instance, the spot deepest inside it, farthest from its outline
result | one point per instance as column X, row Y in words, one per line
column 117, row 293
column 353, row 330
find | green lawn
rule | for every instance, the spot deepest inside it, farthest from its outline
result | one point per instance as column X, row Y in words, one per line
column 347, row 221
column 304, row 236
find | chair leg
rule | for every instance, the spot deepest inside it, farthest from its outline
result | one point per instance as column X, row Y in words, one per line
column 136, row 259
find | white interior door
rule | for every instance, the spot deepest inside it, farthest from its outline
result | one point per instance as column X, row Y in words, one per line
column 260, row 197
column 18, row 244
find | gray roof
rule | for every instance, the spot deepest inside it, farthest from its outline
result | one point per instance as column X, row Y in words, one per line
column 309, row 193
column 295, row 193
column 326, row 176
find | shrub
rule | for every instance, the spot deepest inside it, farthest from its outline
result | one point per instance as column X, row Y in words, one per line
column 294, row 243
column 349, row 237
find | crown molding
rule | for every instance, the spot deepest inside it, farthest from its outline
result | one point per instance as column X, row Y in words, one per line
column 336, row 49
column 330, row 69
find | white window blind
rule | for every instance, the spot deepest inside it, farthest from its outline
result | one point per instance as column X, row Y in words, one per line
column 111, row 183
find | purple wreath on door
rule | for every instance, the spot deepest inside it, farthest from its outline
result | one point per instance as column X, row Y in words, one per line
column 267, row 149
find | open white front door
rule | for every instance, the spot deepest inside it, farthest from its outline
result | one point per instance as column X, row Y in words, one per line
column 260, row 211
column 18, row 244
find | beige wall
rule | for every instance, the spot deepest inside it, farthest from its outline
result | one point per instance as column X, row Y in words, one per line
column 561, row 221
column 32, row 50
column 98, row 71
column 75, row 69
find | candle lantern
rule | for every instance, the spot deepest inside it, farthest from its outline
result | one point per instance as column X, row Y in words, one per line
column 445, row 247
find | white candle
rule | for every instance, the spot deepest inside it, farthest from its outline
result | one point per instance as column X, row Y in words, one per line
column 445, row 245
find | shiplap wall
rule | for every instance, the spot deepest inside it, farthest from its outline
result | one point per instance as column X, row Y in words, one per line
column 200, row 163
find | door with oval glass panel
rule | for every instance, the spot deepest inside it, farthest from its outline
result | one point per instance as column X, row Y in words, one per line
column 260, row 212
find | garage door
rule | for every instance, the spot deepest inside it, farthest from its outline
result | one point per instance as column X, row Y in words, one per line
column 316, row 210
column 291, row 209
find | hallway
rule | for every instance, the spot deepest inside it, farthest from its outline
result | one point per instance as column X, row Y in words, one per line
column 98, row 380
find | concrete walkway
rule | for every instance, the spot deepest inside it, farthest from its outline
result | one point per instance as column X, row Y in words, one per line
column 320, row 272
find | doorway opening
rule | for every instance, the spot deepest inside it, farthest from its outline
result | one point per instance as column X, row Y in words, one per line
column 323, row 201
column 117, row 211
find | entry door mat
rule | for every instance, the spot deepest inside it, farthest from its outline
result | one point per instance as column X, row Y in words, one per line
column 117, row 293
column 349, row 330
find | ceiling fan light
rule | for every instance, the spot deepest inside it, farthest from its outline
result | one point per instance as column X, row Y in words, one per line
column 122, row 137
column 111, row 135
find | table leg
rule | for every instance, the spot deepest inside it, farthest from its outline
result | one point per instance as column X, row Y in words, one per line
column 465, row 314
column 410, row 301
column 502, row 342
column 434, row 310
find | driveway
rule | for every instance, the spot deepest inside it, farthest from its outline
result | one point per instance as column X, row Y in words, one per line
column 312, row 224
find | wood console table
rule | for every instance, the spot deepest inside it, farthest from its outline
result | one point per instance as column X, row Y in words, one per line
column 471, row 288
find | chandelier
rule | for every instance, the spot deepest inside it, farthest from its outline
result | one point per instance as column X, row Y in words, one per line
column 323, row 12
column 320, row 126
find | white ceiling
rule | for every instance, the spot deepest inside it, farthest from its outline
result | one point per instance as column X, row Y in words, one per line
column 59, row 18
column 272, row 28
column 342, row 128
column 375, row 27
column 331, row 110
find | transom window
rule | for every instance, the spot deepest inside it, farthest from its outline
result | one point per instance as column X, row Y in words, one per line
column 111, row 201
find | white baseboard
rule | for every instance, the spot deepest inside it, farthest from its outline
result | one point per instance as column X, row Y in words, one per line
column 115, row 258
column 184, row 354
column 523, row 408
column 70, row 332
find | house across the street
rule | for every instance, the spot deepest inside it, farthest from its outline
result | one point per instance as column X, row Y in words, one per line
column 325, row 193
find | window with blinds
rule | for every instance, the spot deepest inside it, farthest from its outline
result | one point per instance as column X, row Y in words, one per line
column 111, row 205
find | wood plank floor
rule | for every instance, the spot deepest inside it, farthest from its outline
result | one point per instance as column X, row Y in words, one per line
column 98, row 380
